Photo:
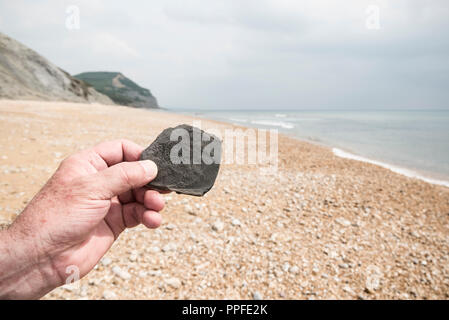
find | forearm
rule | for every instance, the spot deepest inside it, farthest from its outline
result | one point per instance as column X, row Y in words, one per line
column 25, row 273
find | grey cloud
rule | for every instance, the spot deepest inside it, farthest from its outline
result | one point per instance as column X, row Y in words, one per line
column 251, row 54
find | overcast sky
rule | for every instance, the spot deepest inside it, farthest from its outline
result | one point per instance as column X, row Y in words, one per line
column 277, row 54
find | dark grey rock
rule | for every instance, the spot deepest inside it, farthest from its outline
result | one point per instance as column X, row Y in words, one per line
column 188, row 160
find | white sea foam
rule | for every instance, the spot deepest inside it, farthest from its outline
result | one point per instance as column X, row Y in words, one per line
column 238, row 120
column 280, row 115
column 305, row 119
column 405, row 172
column 282, row 124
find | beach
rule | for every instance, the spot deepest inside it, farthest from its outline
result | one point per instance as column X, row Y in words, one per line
column 322, row 227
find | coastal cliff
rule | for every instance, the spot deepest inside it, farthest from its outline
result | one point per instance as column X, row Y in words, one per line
column 120, row 89
column 25, row 74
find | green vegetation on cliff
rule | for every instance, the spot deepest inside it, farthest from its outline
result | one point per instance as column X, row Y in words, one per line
column 120, row 89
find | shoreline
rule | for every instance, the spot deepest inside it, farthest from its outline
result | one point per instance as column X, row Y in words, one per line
column 398, row 169
column 339, row 152
column 317, row 228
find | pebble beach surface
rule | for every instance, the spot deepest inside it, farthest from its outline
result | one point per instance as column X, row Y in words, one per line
column 322, row 227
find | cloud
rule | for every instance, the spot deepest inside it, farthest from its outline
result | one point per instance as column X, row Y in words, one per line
column 104, row 43
column 252, row 54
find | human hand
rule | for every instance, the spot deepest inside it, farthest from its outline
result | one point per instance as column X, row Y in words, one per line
column 74, row 219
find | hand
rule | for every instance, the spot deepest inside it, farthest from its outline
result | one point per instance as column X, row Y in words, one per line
column 92, row 197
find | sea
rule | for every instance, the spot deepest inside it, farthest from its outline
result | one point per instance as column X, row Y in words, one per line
column 414, row 143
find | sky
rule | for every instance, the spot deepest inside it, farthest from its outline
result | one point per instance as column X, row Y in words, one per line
column 264, row 54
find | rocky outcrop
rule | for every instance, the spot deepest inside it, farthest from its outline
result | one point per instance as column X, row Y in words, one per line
column 120, row 89
column 24, row 74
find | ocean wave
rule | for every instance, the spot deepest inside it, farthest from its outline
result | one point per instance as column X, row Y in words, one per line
column 306, row 119
column 238, row 120
column 282, row 124
column 403, row 171
column 280, row 115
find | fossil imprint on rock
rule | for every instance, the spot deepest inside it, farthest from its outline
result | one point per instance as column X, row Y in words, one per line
column 188, row 160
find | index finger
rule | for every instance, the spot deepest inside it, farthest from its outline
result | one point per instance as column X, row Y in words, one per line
column 113, row 152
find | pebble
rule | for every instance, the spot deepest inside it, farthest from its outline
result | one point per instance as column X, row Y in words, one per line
column 349, row 290
column 414, row 234
column 169, row 247
column 343, row 222
column 121, row 273
column 371, row 285
column 236, row 222
column 142, row 274
column 133, row 257
column 84, row 291
column 218, row 226
column 71, row 286
column 170, row 226
column 257, row 295
column 173, row 282
column 188, row 208
column 294, row 270
column 155, row 273
column 106, row 261
column 109, row 295
column 153, row 249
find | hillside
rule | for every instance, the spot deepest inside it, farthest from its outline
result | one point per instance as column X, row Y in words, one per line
column 24, row 74
column 120, row 89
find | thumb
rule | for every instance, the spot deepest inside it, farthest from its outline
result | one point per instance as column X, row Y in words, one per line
column 122, row 177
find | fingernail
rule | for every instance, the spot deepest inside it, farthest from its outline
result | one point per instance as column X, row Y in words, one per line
column 150, row 168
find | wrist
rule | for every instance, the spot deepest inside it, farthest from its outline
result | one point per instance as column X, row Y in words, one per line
column 25, row 271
